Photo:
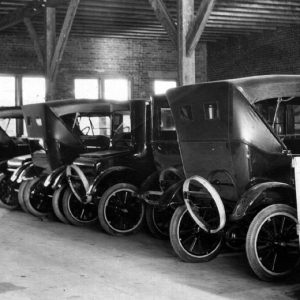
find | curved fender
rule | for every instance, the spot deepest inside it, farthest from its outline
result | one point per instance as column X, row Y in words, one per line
column 21, row 172
column 251, row 196
column 106, row 174
column 51, row 178
column 170, row 194
column 149, row 181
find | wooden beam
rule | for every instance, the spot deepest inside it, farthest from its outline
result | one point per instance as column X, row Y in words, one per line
column 50, row 46
column 63, row 38
column 165, row 19
column 186, row 63
column 197, row 26
column 16, row 17
column 34, row 37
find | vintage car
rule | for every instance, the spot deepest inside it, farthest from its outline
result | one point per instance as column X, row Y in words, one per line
column 150, row 150
column 64, row 129
column 11, row 145
column 237, row 138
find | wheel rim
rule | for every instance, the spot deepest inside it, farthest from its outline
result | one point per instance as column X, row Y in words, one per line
column 161, row 219
column 7, row 192
column 195, row 241
column 123, row 212
column 38, row 198
column 82, row 212
column 276, row 244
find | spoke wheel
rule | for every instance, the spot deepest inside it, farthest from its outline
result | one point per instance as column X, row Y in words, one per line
column 21, row 196
column 57, row 204
column 76, row 212
column 120, row 212
column 189, row 241
column 158, row 221
column 36, row 198
column 272, row 244
column 8, row 195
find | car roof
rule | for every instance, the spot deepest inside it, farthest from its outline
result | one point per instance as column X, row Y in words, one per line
column 11, row 112
column 254, row 88
column 71, row 106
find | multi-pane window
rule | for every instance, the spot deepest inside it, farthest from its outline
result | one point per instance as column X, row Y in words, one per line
column 87, row 88
column 116, row 89
column 34, row 90
column 7, row 90
column 161, row 86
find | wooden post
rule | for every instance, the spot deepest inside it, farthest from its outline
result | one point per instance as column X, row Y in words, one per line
column 19, row 102
column 186, row 62
column 50, row 46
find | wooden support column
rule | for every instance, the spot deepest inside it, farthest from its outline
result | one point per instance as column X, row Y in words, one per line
column 50, row 46
column 19, row 102
column 186, row 62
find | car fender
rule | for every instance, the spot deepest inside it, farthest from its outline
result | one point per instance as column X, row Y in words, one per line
column 51, row 178
column 251, row 198
column 112, row 173
column 21, row 173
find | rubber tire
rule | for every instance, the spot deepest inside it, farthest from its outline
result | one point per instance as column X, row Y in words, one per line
column 56, row 201
column 26, row 197
column 101, row 210
column 3, row 204
column 178, row 249
column 21, row 196
column 259, row 219
column 69, row 216
column 153, row 228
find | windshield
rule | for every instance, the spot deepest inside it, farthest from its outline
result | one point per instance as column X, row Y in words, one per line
column 9, row 126
column 282, row 114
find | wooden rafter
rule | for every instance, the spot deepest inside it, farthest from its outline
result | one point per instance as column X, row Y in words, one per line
column 165, row 19
column 16, row 17
column 198, row 24
column 63, row 38
column 34, row 37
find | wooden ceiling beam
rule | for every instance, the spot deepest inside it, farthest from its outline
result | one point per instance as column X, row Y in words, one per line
column 165, row 19
column 198, row 24
column 32, row 9
column 36, row 44
column 63, row 38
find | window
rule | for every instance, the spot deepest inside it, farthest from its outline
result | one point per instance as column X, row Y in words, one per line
column 34, row 90
column 161, row 86
column 86, row 88
column 7, row 90
column 116, row 89
column 166, row 120
column 9, row 126
column 95, row 125
column 211, row 111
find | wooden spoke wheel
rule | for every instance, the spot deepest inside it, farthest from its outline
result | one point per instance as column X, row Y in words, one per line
column 77, row 212
column 189, row 241
column 272, row 244
column 8, row 195
column 120, row 212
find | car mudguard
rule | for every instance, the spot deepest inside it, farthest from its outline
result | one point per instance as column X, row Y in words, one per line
column 251, row 198
column 22, row 172
column 149, row 182
column 51, row 178
column 113, row 174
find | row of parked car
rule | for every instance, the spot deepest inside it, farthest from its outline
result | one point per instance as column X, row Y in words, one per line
column 205, row 165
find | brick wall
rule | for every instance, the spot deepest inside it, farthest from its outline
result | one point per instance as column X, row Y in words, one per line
column 268, row 53
column 142, row 61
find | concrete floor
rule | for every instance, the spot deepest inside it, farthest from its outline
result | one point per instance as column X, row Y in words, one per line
column 43, row 260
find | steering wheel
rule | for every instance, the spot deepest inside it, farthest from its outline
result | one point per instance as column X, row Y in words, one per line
column 87, row 128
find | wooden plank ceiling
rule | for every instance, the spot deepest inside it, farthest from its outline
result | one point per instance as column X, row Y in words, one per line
column 136, row 18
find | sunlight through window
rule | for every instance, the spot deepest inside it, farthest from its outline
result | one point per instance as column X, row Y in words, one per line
column 7, row 91
column 116, row 89
column 86, row 88
column 161, row 86
column 34, row 90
